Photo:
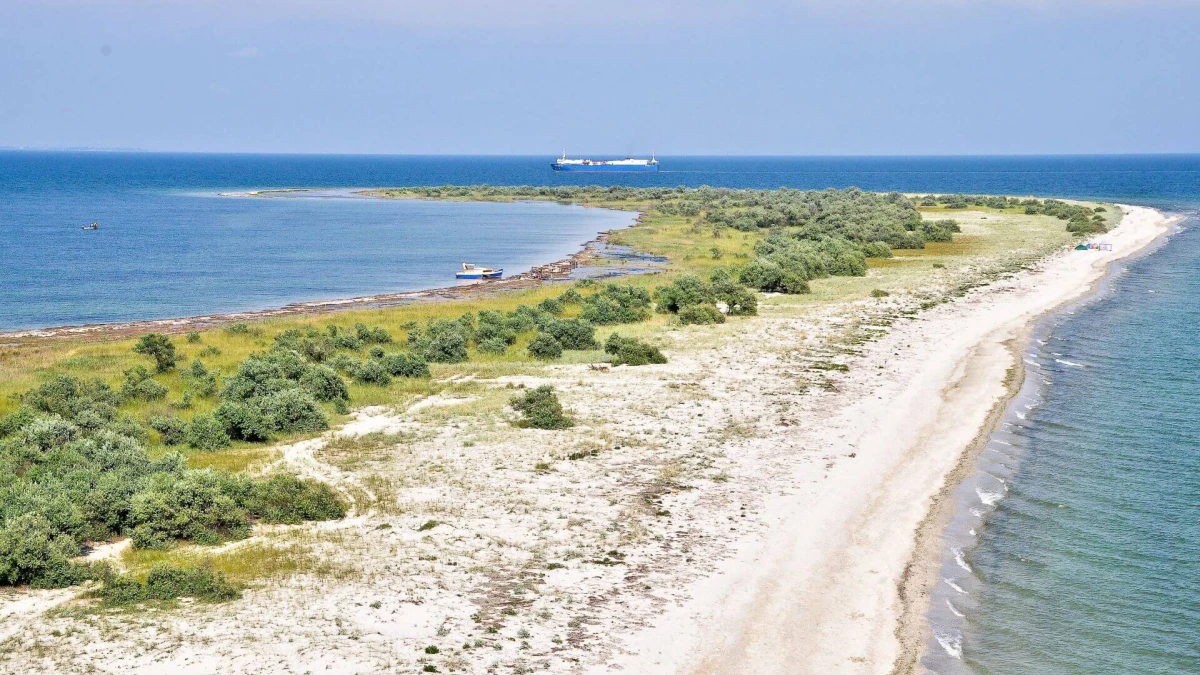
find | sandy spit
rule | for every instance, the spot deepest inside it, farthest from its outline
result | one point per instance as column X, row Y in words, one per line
column 769, row 501
column 839, row 581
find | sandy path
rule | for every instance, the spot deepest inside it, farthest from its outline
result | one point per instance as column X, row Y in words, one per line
column 818, row 593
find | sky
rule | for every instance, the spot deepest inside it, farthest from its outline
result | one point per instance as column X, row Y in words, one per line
column 758, row 77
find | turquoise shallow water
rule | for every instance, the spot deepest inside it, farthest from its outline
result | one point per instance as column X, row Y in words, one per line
column 1078, row 546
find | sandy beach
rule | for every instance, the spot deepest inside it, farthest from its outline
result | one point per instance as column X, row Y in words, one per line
column 822, row 590
column 770, row 501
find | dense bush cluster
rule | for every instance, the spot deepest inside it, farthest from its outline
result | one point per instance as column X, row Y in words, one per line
column 632, row 352
column 540, row 409
column 616, row 304
column 165, row 582
column 689, row 292
column 73, row 469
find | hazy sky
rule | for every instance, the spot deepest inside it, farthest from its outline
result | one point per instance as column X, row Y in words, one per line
column 603, row 76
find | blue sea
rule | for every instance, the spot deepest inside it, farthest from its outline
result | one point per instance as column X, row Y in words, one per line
column 1076, row 547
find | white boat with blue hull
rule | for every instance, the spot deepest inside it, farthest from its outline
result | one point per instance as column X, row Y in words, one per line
column 470, row 271
column 629, row 164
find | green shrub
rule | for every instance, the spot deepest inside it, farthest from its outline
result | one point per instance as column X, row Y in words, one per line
column 571, row 333
column 540, row 409
column 551, row 306
column 31, row 552
column 244, row 421
column 288, row 499
column 493, row 345
column 879, row 293
column 940, row 231
column 67, row 396
column 16, row 420
column 700, row 314
column 444, row 341
column 545, row 347
column 570, row 297
column 347, row 341
column 239, row 328
column 325, row 384
column 404, row 364
column 371, row 372
column 193, row 337
column 140, row 386
column 172, row 429
column 168, row 582
column 372, row 334
column 877, row 249
column 616, row 304
column 632, row 352
column 194, row 507
column 739, row 300
column 344, row 363
column 684, row 291
column 158, row 347
column 294, row 410
column 206, row 433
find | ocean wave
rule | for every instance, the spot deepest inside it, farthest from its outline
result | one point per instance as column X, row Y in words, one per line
column 954, row 610
column 951, row 584
column 989, row 498
column 958, row 558
column 950, row 641
column 1069, row 363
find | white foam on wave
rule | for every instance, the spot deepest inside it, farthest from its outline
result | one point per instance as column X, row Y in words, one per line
column 1020, row 414
column 950, row 641
column 997, row 440
column 954, row 610
column 1069, row 363
column 978, row 513
column 988, row 498
column 1042, row 342
column 958, row 558
column 951, row 584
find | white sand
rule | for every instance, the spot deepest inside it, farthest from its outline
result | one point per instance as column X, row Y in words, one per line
column 747, row 538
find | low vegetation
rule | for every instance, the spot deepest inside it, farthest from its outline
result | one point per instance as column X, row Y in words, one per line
column 540, row 409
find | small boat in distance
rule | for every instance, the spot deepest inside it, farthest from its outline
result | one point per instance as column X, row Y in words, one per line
column 470, row 271
column 625, row 165
column 93, row 226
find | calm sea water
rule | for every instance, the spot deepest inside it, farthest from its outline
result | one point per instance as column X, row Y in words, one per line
column 1076, row 550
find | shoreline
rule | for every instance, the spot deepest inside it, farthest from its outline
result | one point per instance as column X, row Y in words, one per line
column 563, row 269
column 915, row 631
column 837, row 580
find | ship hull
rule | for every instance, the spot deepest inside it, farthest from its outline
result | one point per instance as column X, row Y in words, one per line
column 494, row 274
column 605, row 168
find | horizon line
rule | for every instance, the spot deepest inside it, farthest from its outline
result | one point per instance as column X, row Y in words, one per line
column 140, row 151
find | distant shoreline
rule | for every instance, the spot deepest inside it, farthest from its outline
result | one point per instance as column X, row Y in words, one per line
column 558, row 270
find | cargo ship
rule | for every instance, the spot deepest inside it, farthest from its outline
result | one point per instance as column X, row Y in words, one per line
column 628, row 164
